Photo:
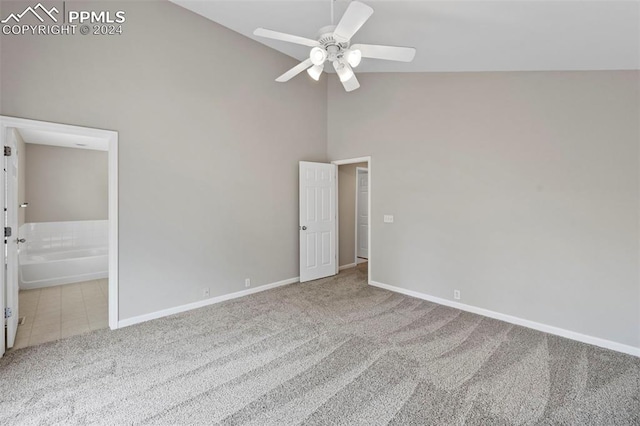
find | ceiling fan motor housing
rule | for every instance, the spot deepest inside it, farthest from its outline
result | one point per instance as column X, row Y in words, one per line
column 334, row 49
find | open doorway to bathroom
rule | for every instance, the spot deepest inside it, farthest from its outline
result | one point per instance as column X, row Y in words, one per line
column 60, row 199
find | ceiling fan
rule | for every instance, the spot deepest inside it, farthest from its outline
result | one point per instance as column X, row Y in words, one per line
column 334, row 45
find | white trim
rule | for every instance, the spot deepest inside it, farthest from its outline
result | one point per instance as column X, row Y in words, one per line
column 352, row 161
column 367, row 160
column 24, row 123
column 336, row 196
column 355, row 223
column 202, row 303
column 112, row 138
column 347, row 266
column 358, row 171
column 113, row 233
column 603, row 343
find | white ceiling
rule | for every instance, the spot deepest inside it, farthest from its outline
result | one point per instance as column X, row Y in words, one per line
column 458, row 35
column 42, row 137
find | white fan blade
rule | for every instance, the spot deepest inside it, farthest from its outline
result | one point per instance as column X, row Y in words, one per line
column 389, row 53
column 294, row 71
column 354, row 17
column 351, row 84
column 262, row 32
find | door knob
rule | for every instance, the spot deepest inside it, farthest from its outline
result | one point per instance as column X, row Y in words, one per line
column 21, row 240
column 304, row 228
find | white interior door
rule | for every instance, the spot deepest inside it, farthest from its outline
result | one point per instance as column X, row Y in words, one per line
column 11, row 245
column 3, row 279
column 362, row 213
column 317, row 220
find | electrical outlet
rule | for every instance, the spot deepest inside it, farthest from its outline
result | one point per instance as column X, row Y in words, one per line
column 247, row 282
column 205, row 292
column 388, row 218
column 456, row 294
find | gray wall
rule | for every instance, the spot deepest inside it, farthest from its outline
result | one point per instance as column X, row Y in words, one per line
column 209, row 144
column 347, row 212
column 66, row 184
column 519, row 189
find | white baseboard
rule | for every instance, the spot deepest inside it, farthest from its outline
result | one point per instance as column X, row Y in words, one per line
column 202, row 303
column 608, row 344
column 350, row 265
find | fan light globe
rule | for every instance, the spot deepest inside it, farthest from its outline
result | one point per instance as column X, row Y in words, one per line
column 318, row 55
column 344, row 71
column 354, row 57
column 315, row 72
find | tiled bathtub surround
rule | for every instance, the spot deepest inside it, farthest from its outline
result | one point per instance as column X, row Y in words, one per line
column 44, row 236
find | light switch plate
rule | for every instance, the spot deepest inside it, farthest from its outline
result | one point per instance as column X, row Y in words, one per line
column 388, row 218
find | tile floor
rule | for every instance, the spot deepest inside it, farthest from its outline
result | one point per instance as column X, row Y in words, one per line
column 52, row 313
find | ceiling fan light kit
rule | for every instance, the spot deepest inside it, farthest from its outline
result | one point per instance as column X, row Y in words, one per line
column 318, row 55
column 343, row 70
column 315, row 71
column 354, row 56
column 334, row 45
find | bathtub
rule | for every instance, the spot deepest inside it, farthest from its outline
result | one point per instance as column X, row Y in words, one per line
column 45, row 268
column 57, row 253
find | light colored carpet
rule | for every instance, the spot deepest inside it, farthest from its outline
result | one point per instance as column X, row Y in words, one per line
column 333, row 351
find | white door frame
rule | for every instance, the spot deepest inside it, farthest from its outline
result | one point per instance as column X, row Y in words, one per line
column 360, row 170
column 367, row 160
column 111, row 137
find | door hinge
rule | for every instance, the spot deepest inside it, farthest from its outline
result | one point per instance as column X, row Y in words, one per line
column 7, row 151
column 7, row 232
column 7, row 313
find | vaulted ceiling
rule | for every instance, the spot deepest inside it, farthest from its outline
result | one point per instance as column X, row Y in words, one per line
column 458, row 35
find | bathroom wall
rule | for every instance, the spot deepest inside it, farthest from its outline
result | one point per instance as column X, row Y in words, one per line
column 347, row 212
column 66, row 184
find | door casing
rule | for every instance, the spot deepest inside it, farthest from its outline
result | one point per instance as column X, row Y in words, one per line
column 359, row 171
column 368, row 160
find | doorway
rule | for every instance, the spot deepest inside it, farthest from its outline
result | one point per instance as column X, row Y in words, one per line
column 36, row 249
column 352, row 215
column 354, row 205
column 319, row 221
